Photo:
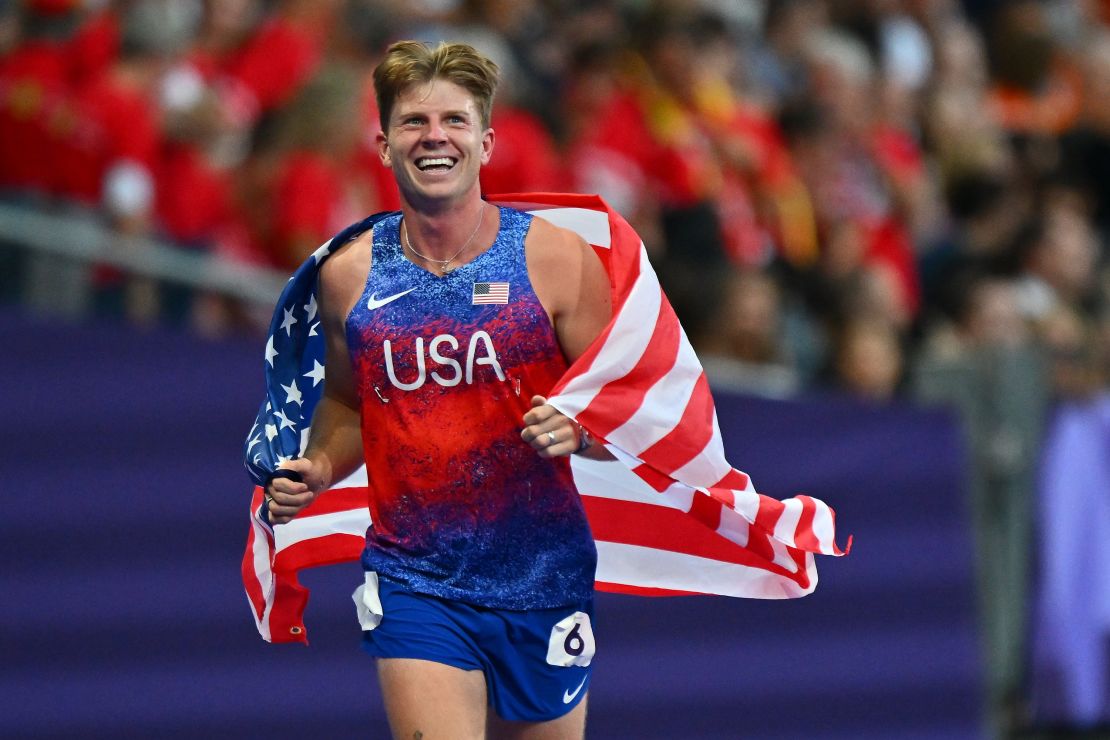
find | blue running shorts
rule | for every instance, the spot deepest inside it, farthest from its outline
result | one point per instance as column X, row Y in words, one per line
column 536, row 663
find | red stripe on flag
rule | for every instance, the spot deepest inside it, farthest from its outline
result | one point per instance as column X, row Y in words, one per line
column 326, row 549
column 770, row 509
column 689, row 437
column 619, row 399
column 624, row 588
column 706, row 510
column 759, row 543
column 804, row 537
column 725, row 495
column 584, row 362
column 604, row 254
column 250, row 576
column 625, row 254
column 290, row 598
column 735, row 479
column 653, row 477
column 662, row 528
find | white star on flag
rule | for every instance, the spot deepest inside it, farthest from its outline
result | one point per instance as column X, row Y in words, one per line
column 271, row 353
column 312, row 329
column 285, row 421
column 254, row 443
column 310, row 308
column 271, row 432
column 322, row 252
column 287, row 324
column 317, row 373
column 292, row 393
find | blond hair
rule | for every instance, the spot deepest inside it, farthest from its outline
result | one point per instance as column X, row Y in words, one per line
column 412, row 62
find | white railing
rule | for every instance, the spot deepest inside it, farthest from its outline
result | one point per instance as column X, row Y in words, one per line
column 81, row 238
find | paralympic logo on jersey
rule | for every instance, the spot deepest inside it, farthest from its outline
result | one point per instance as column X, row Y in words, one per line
column 480, row 342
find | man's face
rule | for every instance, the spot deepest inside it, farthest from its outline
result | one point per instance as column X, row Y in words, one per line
column 435, row 143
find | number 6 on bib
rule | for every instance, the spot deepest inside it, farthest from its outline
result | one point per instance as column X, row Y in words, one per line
column 572, row 641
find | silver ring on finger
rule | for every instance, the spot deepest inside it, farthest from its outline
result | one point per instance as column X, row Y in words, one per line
column 550, row 438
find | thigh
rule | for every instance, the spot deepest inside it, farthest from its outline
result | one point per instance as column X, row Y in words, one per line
column 425, row 700
column 571, row 726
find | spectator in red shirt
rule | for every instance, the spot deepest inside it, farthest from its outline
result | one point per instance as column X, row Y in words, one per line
column 313, row 190
column 34, row 82
column 275, row 60
column 860, row 167
column 108, row 139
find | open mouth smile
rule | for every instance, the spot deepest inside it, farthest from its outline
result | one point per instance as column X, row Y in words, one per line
column 435, row 164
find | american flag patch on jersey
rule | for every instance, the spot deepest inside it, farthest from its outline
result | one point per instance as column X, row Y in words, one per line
column 489, row 293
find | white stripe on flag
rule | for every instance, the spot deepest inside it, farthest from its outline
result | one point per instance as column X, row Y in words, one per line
column 633, row 565
column 351, row 521
column 661, row 408
column 823, row 526
column 263, row 576
column 710, row 465
column 629, row 338
column 747, row 503
column 787, row 525
column 611, row 479
column 782, row 556
column 734, row 527
column 593, row 226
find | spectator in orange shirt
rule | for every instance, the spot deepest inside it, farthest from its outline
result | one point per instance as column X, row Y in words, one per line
column 1036, row 90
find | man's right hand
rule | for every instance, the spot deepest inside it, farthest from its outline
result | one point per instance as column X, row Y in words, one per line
column 287, row 497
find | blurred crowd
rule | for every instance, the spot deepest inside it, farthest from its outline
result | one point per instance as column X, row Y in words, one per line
column 883, row 197
column 833, row 191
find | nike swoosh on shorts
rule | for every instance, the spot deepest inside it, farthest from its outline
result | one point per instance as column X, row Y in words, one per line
column 373, row 302
column 568, row 696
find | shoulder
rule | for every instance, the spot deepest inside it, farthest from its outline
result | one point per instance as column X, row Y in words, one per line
column 562, row 266
column 547, row 242
column 343, row 274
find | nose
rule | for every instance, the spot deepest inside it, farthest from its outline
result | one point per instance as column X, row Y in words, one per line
column 434, row 134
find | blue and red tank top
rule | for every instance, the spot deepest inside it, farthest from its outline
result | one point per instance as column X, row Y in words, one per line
column 461, row 507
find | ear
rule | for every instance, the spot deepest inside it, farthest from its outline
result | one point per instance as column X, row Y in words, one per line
column 383, row 149
column 487, row 145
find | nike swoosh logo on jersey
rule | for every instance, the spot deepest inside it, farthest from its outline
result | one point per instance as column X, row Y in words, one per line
column 373, row 302
column 568, row 696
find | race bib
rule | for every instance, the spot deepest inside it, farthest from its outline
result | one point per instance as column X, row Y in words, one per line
column 571, row 642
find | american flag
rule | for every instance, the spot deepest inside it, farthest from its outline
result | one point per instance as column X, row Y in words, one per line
column 490, row 293
column 669, row 516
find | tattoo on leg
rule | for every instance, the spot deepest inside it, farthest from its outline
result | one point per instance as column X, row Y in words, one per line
column 418, row 735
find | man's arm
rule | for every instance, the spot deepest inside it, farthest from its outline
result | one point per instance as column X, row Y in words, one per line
column 571, row 283
column 334, row 448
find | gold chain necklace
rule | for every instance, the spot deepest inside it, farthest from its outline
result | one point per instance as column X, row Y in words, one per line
column 443, row 263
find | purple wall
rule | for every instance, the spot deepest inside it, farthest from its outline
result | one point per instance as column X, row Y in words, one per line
column 125, row 617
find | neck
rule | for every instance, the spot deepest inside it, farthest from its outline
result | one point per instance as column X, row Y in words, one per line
column 439, row 234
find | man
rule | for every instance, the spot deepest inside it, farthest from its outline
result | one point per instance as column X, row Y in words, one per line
column 445, row 326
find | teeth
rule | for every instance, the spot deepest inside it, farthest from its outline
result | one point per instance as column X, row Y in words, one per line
column 427, row 162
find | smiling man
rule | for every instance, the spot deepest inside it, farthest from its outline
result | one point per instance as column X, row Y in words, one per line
column 446, row 326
